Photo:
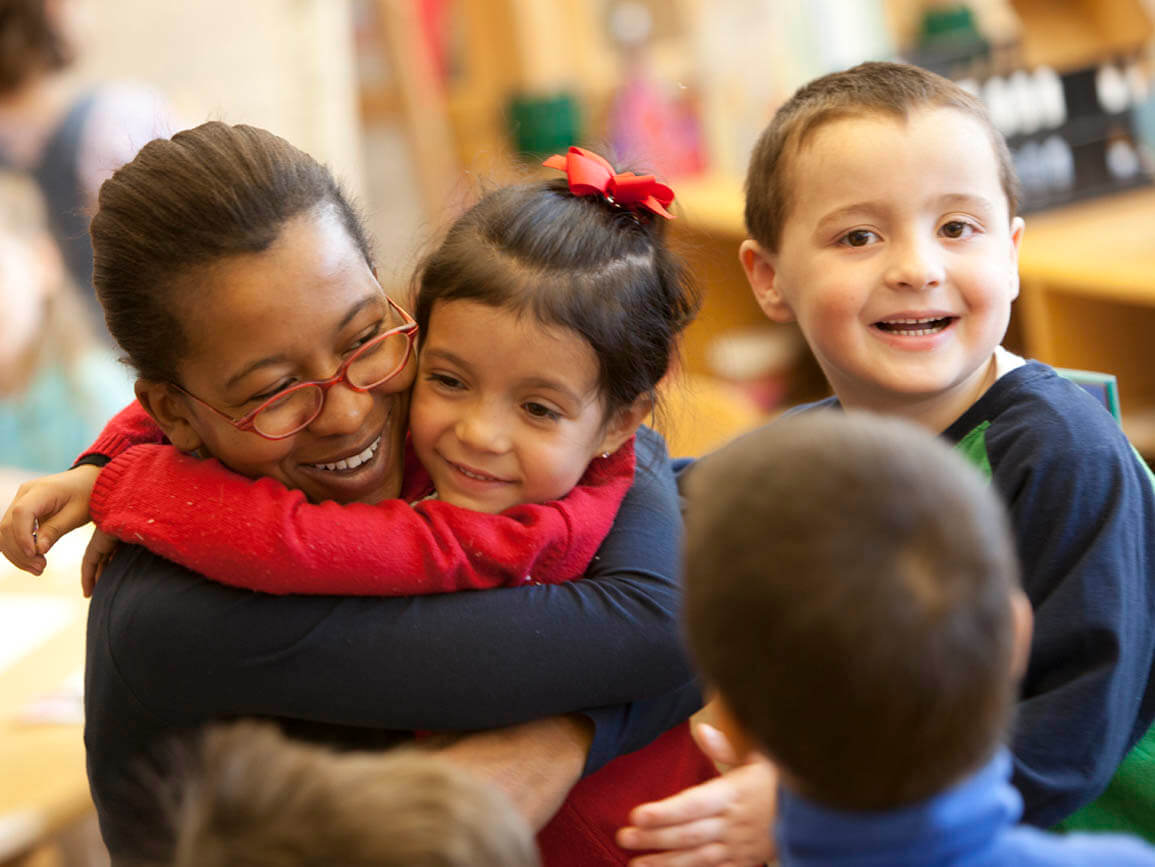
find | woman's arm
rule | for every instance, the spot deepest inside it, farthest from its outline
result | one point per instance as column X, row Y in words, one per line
column 187, row 647
column 262, row 536
column 129, row 427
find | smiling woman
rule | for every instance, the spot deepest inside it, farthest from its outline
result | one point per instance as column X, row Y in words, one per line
column 238, row 280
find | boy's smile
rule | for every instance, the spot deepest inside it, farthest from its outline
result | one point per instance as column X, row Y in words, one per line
column 897, row 259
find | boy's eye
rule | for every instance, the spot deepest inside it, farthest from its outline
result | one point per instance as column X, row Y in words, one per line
column 957, row 229
column 540, row 410
column 858, row 238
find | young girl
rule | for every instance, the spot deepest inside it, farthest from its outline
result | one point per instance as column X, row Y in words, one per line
column 547, row 317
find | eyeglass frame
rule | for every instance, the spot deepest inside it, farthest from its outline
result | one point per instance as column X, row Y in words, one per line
column 247, row 423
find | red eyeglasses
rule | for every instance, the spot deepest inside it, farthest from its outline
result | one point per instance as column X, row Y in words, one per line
column 294, row 408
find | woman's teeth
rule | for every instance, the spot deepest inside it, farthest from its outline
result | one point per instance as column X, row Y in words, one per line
column 353, row 462
column 916, row 327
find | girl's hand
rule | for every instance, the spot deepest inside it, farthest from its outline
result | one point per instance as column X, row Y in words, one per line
column 43, row 511
column 100, row 548
column 726, row 821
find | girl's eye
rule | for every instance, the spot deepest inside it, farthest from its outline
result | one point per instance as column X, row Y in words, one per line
column 445, row 381
column 956, row 229
column 858, row 238
column 540, row 410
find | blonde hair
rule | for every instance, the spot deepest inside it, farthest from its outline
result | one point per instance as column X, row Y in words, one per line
column 253, row 798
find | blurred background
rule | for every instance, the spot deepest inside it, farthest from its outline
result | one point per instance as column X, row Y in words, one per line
column 418, row 104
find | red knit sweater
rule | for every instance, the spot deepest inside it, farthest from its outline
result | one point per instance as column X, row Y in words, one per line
column 260, row 535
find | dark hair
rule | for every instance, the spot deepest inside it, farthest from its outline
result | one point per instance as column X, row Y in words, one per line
column 579, row 262
column 29, row 43
column 893, row 89
column 208, row 193
column 848, row 591
column 255, row 798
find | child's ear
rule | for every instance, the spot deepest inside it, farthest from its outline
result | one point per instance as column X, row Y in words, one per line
column 758, row 263
column 1017, row 228
column 170, row 410
column 624, row 424
column 722, row 718
column 1023, row 623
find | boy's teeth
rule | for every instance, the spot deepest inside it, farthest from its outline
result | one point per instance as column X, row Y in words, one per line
column 353, row 462
column 911, row 327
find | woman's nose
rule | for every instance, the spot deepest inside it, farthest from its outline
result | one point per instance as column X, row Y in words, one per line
column 343, row 412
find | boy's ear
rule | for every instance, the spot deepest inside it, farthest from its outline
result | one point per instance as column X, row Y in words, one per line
column 170, row 410
column 758, row 263
column 624, row 424
column 722, row 718
column 1017, row 228
column 1023, row 623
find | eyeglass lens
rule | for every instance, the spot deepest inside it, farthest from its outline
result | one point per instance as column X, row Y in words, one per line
column 374, row 363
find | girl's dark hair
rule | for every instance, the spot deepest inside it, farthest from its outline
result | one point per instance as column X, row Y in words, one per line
column 208, row 193
column 29, row 43
column 578, row 262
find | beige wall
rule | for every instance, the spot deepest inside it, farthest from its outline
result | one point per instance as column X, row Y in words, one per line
column 286, row 65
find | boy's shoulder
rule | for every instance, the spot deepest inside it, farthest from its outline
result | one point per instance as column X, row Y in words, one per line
column 1034, row 415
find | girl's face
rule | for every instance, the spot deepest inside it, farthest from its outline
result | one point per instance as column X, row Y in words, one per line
column 506, row 410
column 262, row 322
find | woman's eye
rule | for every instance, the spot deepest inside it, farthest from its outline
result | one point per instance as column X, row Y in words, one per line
column 364, row 338
column 957, row 229
column 270, row 393
column 540, row 410
column 858, row 238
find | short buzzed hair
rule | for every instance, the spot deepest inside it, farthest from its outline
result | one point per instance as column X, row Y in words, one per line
column 848, row 592
column 889, row 89
column 253, row 798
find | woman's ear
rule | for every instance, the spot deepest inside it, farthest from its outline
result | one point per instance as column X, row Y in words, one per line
column 761, row 274
column 170, row 410
column 624, row 424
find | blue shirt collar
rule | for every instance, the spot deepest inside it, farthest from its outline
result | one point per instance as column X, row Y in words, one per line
column 963, row 820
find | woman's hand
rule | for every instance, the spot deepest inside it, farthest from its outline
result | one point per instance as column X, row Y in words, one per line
column 725, row 821
column 43, row 511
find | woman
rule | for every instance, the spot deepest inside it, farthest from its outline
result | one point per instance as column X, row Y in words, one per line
column 226, row 255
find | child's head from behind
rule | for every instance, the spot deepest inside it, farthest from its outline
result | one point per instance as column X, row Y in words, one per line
column 881, row 210
column 547, row 320
column 851, row 592
column 255, row 798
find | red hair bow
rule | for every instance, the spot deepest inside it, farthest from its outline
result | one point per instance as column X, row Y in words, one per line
column 590, row 175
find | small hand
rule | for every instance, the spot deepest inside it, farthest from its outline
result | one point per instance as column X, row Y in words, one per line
column 43, row 511
column 725, row 821
column 99, row 550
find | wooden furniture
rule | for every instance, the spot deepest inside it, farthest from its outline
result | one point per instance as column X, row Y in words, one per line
column 43, row 785
column 1088, row 287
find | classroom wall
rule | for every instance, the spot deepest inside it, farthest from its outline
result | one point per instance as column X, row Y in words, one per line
column 286, row 65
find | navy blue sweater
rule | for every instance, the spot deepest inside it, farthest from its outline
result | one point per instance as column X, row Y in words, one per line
column 168, row 651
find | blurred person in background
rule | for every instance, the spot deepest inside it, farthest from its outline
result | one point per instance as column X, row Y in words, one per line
column 67, row 134
column 58, row 383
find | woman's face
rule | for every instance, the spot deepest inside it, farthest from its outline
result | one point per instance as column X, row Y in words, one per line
column 259, row 323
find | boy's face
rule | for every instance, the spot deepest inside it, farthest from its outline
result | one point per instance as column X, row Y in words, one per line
column 896, row 259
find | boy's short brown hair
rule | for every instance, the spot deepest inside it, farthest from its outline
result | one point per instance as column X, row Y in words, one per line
column 893, row 89
column 253, row 797
column 848, row 592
